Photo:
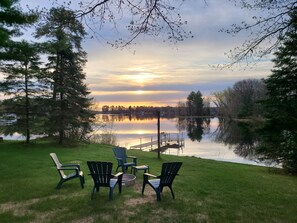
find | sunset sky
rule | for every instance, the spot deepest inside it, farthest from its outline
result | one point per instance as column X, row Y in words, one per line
column 155, row 73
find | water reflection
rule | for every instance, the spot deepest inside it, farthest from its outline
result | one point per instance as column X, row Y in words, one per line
column 123, row 118
column 209, row 138
column 238, row 136
column 195, row 127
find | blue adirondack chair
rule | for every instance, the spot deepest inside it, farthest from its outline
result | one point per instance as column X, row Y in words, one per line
column 102, row 177
column 168, row 173
column 62, row 168
column 121, row 156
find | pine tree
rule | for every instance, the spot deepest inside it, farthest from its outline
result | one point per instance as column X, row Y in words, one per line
column 69, row 115
column 280, row 132
column 11, row 18
column 19, row 64
column 22, row 86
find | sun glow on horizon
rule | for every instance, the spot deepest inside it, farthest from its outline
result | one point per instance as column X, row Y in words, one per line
column 136, row 92
column 140, row 76
column 98, row 105
column 139, row 92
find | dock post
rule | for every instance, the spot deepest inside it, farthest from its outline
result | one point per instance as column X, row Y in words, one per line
column 151, row 143
column 140, row 143
column 158, row 124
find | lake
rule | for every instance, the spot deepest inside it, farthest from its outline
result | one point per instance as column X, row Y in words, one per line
column 205, row 138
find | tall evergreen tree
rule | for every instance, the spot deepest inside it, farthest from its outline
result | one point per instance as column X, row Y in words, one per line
column 69, row 116
column 280, row 132
column 18, row 64
column 21, row 85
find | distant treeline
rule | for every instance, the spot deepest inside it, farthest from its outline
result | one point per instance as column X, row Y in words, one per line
column 151, row 111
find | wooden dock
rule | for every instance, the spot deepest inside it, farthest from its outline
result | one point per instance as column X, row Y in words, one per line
column 167, row 140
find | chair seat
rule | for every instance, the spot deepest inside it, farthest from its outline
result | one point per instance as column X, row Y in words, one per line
column 73, row 175
column 155, row 183
column 129, row 164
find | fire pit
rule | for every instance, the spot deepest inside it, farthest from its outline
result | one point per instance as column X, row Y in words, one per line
column 128, row 179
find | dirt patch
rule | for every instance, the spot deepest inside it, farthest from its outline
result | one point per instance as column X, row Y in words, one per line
column 148, row 197
column 169, row 214
column 133, row 202
column 23, row 208
column 18, row 208
column 202, row 217
column 148, row 190
column 127, row 213
column 89, row 219
column 45, row 216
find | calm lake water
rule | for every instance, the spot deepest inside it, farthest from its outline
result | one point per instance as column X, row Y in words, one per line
column 205, row 138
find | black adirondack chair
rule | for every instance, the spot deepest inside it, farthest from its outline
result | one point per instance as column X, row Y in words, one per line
column 121, row 156
column 67, row 168
column 168, row 173
column 102, row 177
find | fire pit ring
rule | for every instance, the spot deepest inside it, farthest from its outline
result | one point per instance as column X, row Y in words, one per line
column 128, row 179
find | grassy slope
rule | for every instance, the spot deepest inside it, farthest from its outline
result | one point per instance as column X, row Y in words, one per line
column 206, row 191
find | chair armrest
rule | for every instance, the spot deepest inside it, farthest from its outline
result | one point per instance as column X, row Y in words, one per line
column 120, row 177
column 71, row 165
column 150, row 175
column 134, row 159
column 67, row 168
column 118, row 174
column 146, row 177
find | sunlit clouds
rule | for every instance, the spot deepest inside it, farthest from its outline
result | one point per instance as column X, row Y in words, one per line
column 136, row 92
column 140, row 79
column 162, row 77
column 154, row 73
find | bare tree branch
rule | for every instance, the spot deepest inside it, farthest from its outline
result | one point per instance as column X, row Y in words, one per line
column 265, row 34
column 150, row 17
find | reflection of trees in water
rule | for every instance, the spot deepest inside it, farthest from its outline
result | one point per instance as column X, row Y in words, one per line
column 195, row 127
column 181, row 124
column 121, row 118
column 241, row 137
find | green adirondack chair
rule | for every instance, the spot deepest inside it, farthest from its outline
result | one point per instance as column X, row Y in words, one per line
column 102, row 177
column 62, row 168
column 168, row 173
column 121, row 156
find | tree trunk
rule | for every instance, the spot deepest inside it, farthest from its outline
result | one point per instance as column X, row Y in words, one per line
column 27, row 104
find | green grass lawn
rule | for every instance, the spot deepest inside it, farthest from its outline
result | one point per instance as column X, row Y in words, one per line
column 205, row 190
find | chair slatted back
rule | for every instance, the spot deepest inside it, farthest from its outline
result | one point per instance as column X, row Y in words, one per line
column 169, row 172
column 120, row 152
column 58, row 164
column 100, row 172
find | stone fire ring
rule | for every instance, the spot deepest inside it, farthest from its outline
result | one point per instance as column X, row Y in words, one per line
column 128, row 179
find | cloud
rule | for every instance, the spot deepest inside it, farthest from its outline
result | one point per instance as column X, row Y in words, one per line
column 166, row 74
column 189, row 68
